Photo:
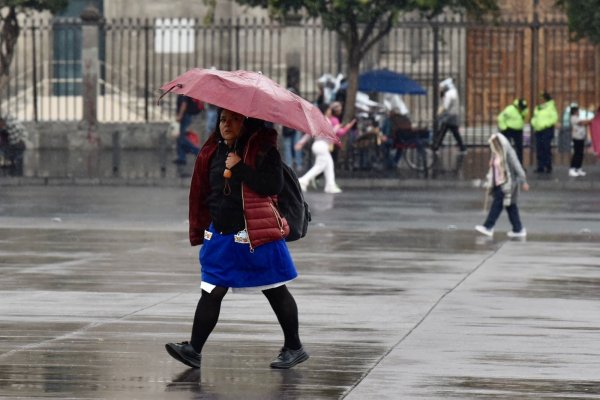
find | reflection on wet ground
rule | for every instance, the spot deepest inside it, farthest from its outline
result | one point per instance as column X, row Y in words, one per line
column 516, row 388
column 398, row 299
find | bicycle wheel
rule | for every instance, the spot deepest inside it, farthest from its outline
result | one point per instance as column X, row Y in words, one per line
column 419, row 160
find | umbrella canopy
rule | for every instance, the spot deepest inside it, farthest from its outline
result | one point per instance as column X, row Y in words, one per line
column 253, row 95
column 386, row 81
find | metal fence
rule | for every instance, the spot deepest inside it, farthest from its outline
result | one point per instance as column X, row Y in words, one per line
column 491, row 64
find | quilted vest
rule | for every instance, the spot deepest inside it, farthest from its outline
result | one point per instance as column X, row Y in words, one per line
column 263, row 221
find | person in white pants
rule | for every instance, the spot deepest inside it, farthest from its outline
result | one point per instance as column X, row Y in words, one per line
column 323, row 164
column 322, row 151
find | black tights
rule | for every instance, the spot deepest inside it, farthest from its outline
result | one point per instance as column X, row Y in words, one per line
column 209, row 307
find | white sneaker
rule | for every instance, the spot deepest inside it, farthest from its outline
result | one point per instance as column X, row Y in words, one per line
column 333, row 190
column 581, row 172
column 522, row 233
column 303, row 185
column 485, row 231
column 573, row 172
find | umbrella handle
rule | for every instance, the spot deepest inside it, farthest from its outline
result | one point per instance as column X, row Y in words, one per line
column 177, row 85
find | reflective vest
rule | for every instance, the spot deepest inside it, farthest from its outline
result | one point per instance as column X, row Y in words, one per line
column 544, row 116
column 512, row 118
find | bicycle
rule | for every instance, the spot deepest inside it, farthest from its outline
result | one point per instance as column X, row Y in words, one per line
column 414, row 147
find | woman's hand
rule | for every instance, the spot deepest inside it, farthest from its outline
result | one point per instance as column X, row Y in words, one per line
column 351, row 123
column 232, row 159
column 526, row 187
column 298, row 146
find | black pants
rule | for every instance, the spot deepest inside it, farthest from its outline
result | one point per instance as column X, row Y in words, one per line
column 496, row 208
column 516, row 138
column 439, row 137
column 577, row 159
column 543, row 148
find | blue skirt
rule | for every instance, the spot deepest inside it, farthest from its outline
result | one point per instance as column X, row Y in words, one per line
column 225, row 263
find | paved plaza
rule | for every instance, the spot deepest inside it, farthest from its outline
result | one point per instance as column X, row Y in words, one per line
column 399, row 298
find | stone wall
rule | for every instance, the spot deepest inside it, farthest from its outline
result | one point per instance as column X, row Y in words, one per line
column 73, row 135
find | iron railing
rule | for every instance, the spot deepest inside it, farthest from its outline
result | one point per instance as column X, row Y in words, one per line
column 491, row 64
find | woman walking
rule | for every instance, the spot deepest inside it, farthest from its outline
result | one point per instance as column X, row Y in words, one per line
column 503, row 179
column 322, row 150
column 236, row 179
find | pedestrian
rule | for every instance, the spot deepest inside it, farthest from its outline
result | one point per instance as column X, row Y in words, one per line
column 448, row 115
column 321, row 149
column 231, row 214
column 13, row 142
column 504, row 177
column 291, row 156
column 334, row 114
column 545, row 117
column 511, row 122
column 186, row 109
column 291, row 136
column 210, row 114
column 579, row 134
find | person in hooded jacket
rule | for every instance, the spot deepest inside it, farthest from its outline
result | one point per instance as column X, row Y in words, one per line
column 233, row 214
column 448, row 115
column 545, row 117
column 511, row 122
column 504, row 178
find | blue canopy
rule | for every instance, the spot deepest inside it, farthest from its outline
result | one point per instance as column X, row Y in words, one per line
column 386, row 81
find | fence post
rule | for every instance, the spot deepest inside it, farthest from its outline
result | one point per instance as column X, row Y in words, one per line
column 535, row 32
column 162, row 153
column 34, row 76
column 90, row 17
column 436, row 74
column 146, row 70
column 116, row 153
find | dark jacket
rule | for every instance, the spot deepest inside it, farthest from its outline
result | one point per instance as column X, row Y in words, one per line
column 263, row 222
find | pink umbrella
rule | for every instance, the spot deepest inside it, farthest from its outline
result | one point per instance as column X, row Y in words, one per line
column 253, row 95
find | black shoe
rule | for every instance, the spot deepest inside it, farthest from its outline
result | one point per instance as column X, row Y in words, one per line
column 287, row 358
column 185, row 353
column 179, row 162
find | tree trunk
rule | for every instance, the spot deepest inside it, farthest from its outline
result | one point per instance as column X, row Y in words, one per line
column 9, row 34
column 352, row 80
column 3, row 82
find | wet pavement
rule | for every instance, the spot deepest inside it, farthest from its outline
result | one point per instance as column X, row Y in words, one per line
column 399, row 299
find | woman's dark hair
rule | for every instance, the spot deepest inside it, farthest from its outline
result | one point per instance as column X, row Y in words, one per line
column 250, row 124
column 574, row 110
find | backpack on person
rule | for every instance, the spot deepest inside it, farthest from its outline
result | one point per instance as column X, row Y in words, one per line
column 291, row 205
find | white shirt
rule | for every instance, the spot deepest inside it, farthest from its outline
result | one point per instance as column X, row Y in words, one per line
column 578, row 132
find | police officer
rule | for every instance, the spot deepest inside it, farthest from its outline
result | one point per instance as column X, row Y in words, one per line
column 545, row 116
column 511, row 122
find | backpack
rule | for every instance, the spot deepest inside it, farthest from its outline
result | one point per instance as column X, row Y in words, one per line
column 291, row 205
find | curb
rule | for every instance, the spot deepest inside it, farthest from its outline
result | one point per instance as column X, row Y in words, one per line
column 346, row 183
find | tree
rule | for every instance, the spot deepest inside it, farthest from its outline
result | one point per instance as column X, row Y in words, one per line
column 10, row 28
column 584, row 18
column 362, row 23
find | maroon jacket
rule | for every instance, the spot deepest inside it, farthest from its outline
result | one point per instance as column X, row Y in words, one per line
column 263, row 221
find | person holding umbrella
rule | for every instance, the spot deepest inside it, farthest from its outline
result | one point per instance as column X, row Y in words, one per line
column 237, row 176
